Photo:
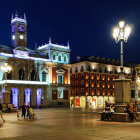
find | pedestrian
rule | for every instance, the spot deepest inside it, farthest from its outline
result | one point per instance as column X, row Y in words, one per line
column 18, row 113
column 1, row 112
column 24, row 110
column 28, row 111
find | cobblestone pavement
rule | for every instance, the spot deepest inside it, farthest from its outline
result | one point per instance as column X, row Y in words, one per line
column 66, row 124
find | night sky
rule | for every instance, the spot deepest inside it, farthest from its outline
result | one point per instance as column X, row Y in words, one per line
column 86, row 24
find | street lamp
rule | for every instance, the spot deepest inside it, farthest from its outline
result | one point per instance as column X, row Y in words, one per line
column 121, row 33
column 6, row 70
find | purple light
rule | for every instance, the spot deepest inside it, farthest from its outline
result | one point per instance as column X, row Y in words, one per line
column 21, row 28
column 15, row 96
column 27, row 96
column 39, row 94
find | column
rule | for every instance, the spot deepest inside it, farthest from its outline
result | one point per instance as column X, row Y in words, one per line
column 21, row 95
column 33, row 97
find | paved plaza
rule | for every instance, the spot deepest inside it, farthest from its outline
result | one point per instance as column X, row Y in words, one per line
column 66, row 124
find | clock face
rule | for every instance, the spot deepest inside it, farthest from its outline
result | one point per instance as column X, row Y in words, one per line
column 21, row 37
column 21, row 28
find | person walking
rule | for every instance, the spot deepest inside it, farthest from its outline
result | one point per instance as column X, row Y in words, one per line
column 23, row 110
column 28, row 112
column 1, row 112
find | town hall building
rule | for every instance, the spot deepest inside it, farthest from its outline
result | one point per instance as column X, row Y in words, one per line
column 40, row 77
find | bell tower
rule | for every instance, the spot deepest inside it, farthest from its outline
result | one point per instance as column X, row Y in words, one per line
column 18, row 31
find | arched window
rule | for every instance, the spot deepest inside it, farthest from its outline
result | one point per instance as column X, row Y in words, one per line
column 44, row 76
column 65, row 58
column 9, row 75
column 21, row 74
column 59, row 57
column 33, row 75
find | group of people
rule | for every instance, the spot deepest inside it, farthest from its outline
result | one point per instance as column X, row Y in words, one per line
column 108, row 111
column 26, row 111
column 132, row 111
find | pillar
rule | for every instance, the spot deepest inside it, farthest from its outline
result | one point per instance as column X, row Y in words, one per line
column 122, row 94
column 33, row 97
column 21, row 96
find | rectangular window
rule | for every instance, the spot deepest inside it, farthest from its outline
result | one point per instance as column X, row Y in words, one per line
column 60, row 79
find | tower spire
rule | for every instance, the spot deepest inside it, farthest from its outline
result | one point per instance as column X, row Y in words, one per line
column 50, row 40
column 12, row 17
column 68, row 44
column 16, row 14
column 24, row 16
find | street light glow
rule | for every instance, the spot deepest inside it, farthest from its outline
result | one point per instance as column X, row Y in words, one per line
column 116, row 32
column 121, row 24
column 127, row 31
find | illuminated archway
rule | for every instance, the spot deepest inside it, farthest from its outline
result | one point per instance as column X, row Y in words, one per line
column 40, row 98
column 27, row 96
column 14, row 98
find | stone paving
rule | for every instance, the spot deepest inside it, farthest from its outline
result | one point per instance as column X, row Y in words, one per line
column 66, row 124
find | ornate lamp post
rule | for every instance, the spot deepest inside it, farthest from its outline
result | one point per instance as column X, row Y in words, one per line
column 121, row 33
column 6, row 69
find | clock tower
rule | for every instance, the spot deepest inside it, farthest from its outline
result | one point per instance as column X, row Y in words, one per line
column 18, row 31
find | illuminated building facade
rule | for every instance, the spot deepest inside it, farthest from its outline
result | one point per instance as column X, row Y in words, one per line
column 40, row 77
column 92, row 81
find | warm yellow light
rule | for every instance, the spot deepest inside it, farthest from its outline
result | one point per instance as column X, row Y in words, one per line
column 121, row 24
column 116, row 32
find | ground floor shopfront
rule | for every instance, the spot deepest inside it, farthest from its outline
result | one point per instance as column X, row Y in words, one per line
column 95, row 102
